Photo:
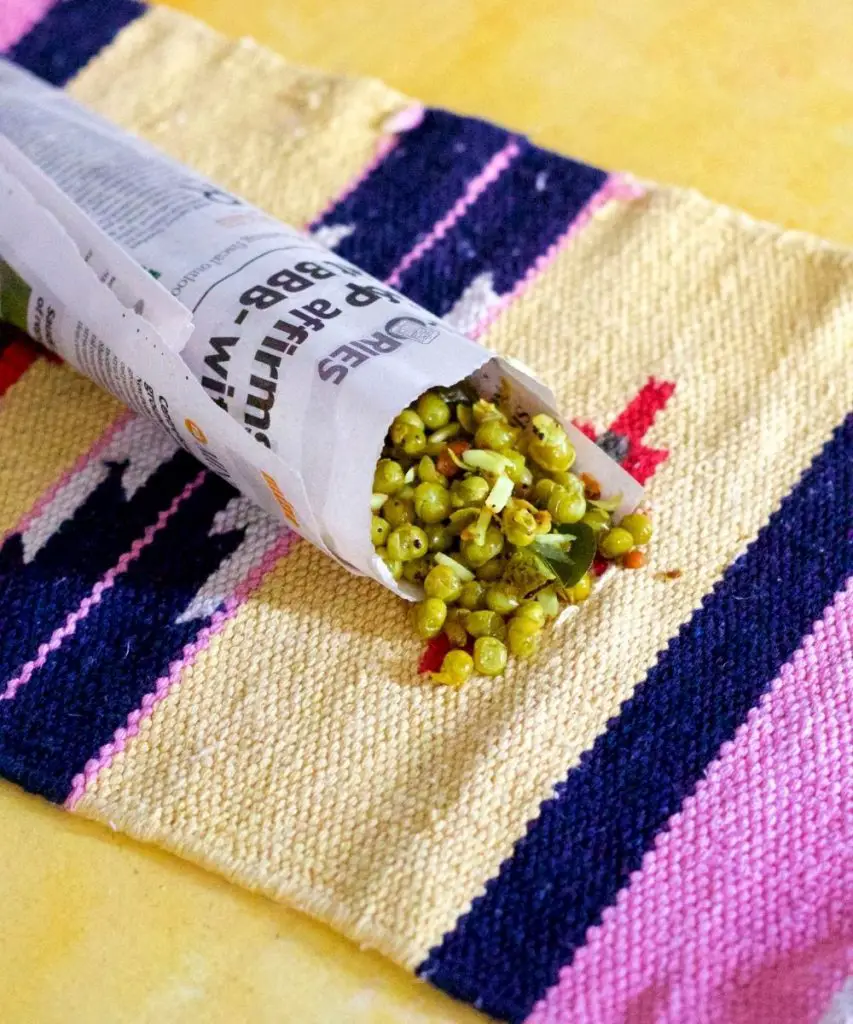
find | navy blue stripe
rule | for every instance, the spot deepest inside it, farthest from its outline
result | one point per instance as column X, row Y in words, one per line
column 506, row 952
column 73, row 705
column 36, row 597
column 71, row 34
column 412, row 188
column 511, row 224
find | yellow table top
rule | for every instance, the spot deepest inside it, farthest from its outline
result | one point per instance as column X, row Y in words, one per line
column 747, row 100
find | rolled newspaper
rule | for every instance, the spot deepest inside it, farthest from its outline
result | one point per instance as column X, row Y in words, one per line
column 275, row 362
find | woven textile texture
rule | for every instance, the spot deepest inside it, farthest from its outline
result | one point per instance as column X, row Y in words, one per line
column 652, row 820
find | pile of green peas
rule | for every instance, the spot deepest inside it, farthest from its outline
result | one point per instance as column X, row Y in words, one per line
column 459, row 490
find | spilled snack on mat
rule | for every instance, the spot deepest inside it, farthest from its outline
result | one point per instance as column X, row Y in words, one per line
column 490, row 518
column 279, row 365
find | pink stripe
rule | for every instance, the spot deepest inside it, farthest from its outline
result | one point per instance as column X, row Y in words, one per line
column 743, row 911
column 17, row 17
column 80, row 464
column 403, row 121
column 475, row 188
column 616, row 187
column 163, row 686
column 100, row 588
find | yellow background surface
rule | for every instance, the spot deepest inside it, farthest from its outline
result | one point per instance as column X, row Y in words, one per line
column 751, row 102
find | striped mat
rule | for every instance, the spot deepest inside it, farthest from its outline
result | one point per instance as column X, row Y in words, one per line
column 652, row 821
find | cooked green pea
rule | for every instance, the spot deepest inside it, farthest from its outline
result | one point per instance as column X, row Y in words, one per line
column 491, row 570
column 521, row 639
column 533, row 611
column 395, row 566
column 432, row 503
column 413, row 442
column 596, row 519
column 429, row 617
column 565, row 506
column 486, row 623
column 466, row 418
column 542, row 491
column 398, row 511
column 416, row 571
column 549, row 444
column 639, row 526
column 483, row 410
column 443, row 582
column 517, row 470
column 581, row 590
column 388, row 478
column 495, row 434
column 433, row 410
column 502, row 598
column 473, row 595
column 615, row 542
column 379, row 530
column 428, row 474
column 454, row 627
column 519, row 523
column 439, row 538
column 407, row 542
column 456, row 669
column 489, row 656
column 407, row 421
column 479, row 554
column 470, row 492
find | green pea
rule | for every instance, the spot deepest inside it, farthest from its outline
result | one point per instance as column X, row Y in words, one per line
column 429, row 617
column 596, row 519
column 479, row 554
column 456, row 669
column 395, row 566
column 399, row 511
column 519, row 523
column 483, row 410
column 542, row 491
column 417, row 570
column 454, row 627
column 388, row 478
column 379, row 530
column 615, row 542
column 428, row 474
column 489, row 656
column 413, row 442
column 442, row 582
column 433, row 410
column 502, row 598
column 532, row 611
column 494, row 434
column 581, row 590
column 565, row 506
column 486, row 623
column 439, row 538
column 407, row 542
column 432, row 503
column 517, row 470
column 491, row 570
column 470, row 492
column 403, row 424
column 466, row 418
column 473, row 595
column 639, row 526
column 549, row 444
column 521, row 640
column 462, row 519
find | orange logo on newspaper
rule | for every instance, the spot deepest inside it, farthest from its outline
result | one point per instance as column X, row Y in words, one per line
column 196, row 431
column 280, row 499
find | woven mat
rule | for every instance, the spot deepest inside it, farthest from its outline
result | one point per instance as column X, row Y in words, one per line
column 651, row 821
